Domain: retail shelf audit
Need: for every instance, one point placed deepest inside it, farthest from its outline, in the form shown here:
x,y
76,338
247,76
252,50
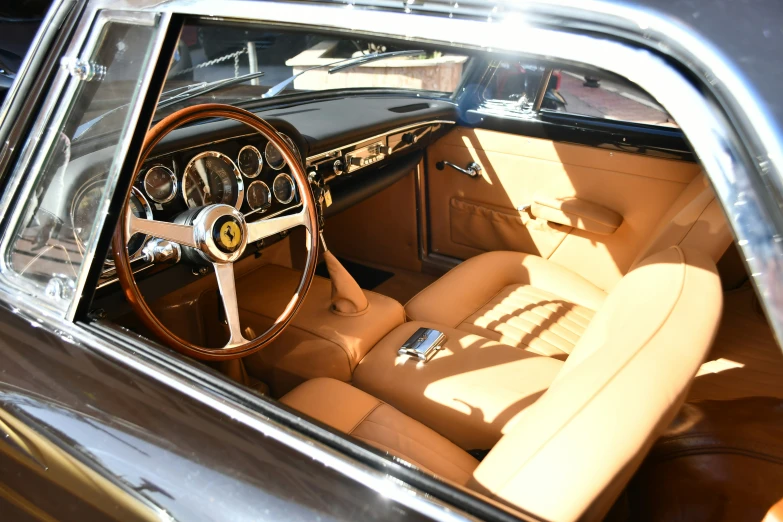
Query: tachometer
x,y
249,161
160,184
211,178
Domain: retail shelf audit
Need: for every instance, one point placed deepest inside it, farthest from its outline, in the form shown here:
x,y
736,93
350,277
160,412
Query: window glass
x,y
209,53
514,85
68,197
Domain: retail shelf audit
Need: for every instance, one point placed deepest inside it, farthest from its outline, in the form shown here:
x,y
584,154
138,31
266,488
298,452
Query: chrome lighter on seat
x,y
423,344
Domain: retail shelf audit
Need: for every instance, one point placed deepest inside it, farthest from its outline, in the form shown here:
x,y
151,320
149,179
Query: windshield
x,y
209,53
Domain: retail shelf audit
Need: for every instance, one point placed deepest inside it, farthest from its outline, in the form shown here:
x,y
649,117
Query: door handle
x,y
473,169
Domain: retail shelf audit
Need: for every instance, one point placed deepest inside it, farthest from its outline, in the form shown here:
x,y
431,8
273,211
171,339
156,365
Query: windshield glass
x,y
209,53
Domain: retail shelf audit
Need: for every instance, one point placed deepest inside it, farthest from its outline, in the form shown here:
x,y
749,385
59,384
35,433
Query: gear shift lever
x,y
347,297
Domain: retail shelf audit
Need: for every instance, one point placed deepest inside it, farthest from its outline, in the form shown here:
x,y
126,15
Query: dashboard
x,y
352,156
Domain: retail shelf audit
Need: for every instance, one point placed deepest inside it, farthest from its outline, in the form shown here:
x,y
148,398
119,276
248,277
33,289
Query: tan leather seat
x,y
569,455
513,298
319,342
527,301
471,391
356,413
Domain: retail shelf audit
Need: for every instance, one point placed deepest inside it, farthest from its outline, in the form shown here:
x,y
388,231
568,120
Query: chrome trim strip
x,y
222,395
161,22
328,153
47,32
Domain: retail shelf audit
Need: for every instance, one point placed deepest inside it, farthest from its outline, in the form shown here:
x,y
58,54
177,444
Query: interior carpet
x,y
366,276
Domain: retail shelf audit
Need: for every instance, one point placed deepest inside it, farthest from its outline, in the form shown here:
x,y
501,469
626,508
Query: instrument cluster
x,y
248,173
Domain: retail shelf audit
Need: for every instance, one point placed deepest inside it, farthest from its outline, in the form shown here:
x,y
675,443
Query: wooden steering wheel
x,y
217,234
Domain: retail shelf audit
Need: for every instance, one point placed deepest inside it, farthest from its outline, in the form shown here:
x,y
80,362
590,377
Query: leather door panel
x,y
516,168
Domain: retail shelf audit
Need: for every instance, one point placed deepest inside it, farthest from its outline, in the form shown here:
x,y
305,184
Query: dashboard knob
x,y
338,167
409,138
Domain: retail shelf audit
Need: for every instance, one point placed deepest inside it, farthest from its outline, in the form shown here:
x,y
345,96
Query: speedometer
x,y
211,178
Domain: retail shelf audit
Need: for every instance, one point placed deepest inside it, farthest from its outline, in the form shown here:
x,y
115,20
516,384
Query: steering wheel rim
x,y
201,234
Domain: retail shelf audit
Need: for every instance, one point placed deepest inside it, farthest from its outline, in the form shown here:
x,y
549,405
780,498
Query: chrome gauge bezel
x,y
290,181
269,196
174,183
266,156
290,142
260,161
235,169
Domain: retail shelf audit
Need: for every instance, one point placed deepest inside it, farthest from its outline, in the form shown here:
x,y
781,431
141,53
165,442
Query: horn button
x,y
221,233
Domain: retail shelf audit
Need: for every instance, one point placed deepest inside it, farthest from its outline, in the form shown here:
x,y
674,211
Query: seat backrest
x,y
695,221
573,451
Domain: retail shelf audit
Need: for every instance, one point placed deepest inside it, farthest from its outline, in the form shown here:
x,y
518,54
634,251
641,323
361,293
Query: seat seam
x,y
421,444
364,418
344,349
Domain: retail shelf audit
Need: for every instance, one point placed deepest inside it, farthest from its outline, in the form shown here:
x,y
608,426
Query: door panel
x,y
469,216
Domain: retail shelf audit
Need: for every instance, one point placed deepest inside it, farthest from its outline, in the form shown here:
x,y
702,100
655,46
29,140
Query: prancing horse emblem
x,y
230,235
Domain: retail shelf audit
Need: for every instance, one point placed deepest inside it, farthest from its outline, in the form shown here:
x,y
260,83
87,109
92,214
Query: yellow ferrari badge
x,y
230,235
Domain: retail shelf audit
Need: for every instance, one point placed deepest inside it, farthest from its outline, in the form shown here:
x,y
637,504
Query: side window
x,y
514,85
67,181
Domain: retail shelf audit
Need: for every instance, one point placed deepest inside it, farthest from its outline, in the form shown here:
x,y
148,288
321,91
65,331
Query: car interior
x,y
514,305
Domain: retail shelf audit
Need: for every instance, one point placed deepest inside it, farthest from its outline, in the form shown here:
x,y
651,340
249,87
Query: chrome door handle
x,y
473,169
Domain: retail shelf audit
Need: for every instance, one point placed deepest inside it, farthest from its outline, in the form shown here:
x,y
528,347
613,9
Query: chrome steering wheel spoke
x,y
176,233
228,295
269,227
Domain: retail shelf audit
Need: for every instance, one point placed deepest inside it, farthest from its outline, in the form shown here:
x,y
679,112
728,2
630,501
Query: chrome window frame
x,y
735,156
45,131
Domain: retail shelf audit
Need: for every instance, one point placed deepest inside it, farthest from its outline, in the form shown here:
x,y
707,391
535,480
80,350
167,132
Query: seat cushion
x,y
318,342
471,391
360,415
517,299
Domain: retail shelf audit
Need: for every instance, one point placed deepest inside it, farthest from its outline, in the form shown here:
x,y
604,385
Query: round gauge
x,y
284,188
160,184
85,208
291,144
249,161
273,156
211,178
258,195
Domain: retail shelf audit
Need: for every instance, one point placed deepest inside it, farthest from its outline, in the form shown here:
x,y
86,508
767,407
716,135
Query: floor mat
x,y
366,276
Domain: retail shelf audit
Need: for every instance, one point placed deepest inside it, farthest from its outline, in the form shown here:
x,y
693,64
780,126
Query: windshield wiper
x,y
199,89
173,96
337,66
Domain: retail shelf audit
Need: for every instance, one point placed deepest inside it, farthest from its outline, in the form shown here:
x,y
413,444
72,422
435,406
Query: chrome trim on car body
x,y
336,150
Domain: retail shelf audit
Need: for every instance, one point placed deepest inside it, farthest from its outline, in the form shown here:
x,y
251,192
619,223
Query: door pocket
x,y
488,228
